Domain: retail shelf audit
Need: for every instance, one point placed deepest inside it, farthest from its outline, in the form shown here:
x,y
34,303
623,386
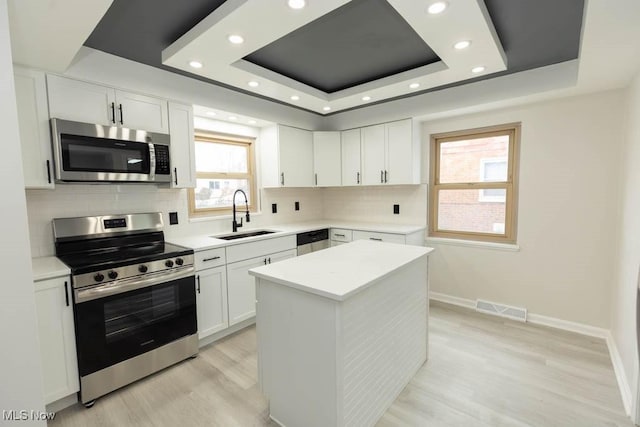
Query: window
x,y
224,164
474,184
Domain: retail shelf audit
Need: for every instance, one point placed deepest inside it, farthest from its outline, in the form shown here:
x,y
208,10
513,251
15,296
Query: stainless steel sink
x,y
235,236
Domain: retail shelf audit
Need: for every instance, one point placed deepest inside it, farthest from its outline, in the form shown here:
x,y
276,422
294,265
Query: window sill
x,y
507,247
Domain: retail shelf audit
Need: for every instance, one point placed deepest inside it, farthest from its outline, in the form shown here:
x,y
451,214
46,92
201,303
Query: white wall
x,y
568,197
623,318
20,371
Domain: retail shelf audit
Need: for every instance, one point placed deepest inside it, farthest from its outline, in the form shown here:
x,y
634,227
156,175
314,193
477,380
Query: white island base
x,y
341,332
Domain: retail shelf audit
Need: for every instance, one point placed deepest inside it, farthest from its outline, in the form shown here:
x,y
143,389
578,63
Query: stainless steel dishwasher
x,y
312,241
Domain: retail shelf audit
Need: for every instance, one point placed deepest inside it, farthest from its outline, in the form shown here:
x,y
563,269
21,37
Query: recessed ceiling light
x,y
295,97
211,113
254,83
233,118
414,85
327,108
477,70
252,122
235,39
437,7
463,44
195,64
296,4
366,98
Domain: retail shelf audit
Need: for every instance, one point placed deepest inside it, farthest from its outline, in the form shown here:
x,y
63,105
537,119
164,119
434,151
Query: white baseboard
x,y
623,383
580,328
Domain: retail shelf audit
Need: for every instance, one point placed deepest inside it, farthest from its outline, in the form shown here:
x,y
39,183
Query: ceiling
x,y
335,55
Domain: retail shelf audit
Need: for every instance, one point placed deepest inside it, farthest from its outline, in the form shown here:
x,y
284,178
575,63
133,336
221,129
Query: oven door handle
x,y
121,286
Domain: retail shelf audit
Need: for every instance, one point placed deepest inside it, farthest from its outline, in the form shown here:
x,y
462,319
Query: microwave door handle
x,y
152,162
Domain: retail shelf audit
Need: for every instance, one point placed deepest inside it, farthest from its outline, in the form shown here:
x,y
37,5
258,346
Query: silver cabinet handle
x,y
316,179
385,177
381,177
339,235
211,259
357,177
376,239
282,178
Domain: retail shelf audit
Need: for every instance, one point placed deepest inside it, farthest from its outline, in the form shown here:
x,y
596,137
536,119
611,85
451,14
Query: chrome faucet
x,y
246,204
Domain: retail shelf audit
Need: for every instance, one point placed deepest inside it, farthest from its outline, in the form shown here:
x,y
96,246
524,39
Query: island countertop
x,y
342,271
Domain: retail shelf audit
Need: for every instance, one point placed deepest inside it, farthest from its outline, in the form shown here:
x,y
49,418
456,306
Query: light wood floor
x,y
482,371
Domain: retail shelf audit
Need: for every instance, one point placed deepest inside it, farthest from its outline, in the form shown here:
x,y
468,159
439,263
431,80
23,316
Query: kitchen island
x,y
341,331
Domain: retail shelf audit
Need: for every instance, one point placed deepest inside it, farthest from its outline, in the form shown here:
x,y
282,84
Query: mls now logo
x,y
24,415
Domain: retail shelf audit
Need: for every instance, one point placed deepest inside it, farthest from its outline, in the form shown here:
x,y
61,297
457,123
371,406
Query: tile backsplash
x,y
368,204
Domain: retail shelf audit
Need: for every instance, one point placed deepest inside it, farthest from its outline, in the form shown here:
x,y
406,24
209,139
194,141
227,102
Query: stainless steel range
x,y
134,298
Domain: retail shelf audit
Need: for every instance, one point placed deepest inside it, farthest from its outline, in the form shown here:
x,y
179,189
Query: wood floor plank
x,y
483,371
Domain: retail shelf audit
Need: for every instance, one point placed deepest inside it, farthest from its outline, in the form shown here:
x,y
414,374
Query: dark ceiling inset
x,y
140,29
534,33
362,41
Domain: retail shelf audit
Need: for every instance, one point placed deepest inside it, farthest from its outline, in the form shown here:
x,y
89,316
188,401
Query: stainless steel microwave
x,y
85,152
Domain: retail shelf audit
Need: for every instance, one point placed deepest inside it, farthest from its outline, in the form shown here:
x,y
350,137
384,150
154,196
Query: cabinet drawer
x,y
261,247
382,237
341,235
210,258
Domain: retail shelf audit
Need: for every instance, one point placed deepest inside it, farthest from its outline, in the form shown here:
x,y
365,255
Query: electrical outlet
x,y
173,218
274,208
297,205
396,209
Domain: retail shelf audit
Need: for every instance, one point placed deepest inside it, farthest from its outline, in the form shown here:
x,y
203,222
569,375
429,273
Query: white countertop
x,y
203,242
342,271
48,267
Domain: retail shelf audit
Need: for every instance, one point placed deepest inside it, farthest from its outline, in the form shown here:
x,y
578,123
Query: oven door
x,y
115,328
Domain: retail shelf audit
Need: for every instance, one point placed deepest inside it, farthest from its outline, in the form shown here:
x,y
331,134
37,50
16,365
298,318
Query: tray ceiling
x,y
334,55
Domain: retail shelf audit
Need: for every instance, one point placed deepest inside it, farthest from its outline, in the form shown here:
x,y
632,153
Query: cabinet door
x,y
211,302
296,157
182,146
350,144
141,112
57,338
35,134
80,101
241,289
373,155
326,159
399,151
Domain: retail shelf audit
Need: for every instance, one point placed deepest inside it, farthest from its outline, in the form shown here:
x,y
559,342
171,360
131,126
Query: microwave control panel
x,y
163,167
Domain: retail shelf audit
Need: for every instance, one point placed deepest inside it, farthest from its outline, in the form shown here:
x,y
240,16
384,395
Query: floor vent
x,y
515,313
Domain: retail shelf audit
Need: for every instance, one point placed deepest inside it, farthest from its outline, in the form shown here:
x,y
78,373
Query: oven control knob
x,y
113,275
98,277
179,261
169,263
142,268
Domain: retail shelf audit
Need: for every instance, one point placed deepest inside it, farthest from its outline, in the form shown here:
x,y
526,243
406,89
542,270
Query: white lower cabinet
x,y
241,286
57,338
211,301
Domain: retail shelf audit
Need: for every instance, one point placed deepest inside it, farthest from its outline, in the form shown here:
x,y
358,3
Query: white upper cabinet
x,y
286,156
390,154
35,134
326,159
91,103
183,165
373,155
350,145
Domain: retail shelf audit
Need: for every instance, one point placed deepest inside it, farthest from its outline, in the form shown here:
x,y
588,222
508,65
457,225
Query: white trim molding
x,y
579,328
